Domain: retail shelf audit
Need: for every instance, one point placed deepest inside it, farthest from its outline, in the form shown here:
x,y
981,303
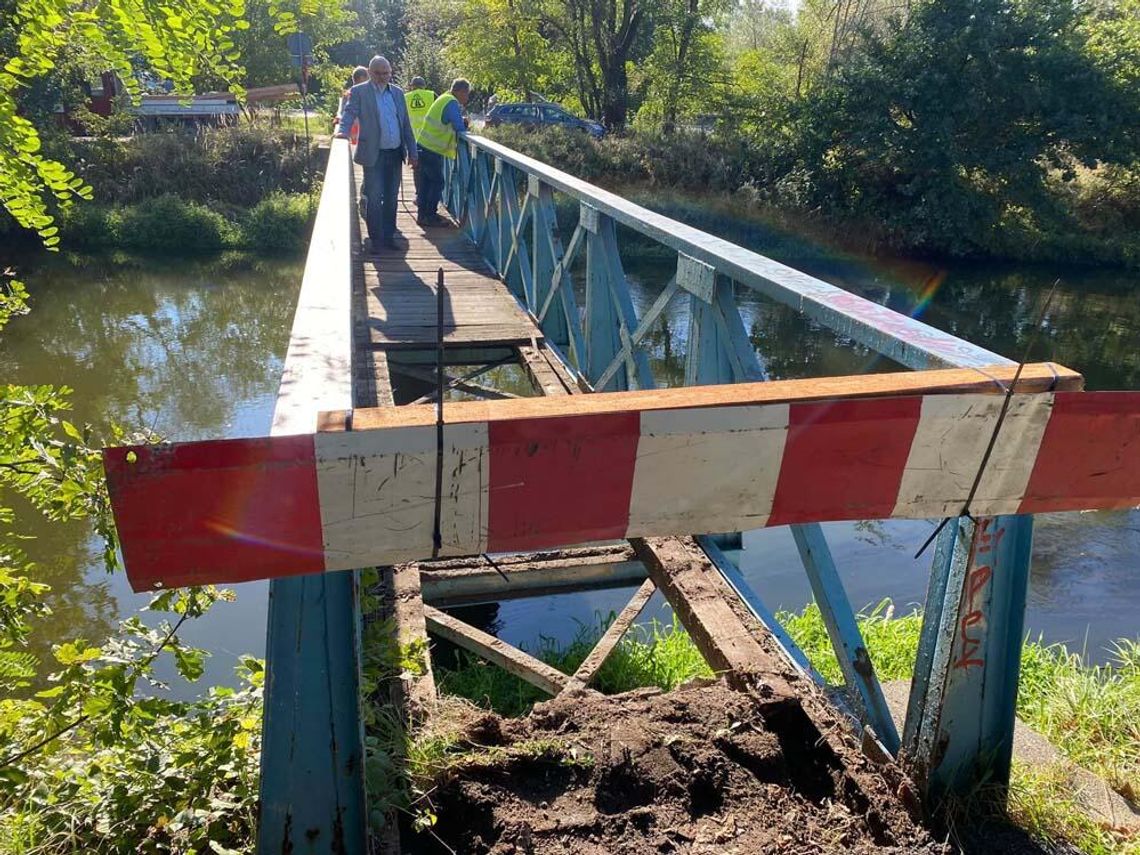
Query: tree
x,y
687,62
601,36
177,39
947,125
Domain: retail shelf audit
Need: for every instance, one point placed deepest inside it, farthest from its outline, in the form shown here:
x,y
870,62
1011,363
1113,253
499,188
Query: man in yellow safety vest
x,y
437,139
419,99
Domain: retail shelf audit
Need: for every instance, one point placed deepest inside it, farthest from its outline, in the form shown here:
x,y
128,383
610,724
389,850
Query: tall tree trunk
x,y
684,41
615,94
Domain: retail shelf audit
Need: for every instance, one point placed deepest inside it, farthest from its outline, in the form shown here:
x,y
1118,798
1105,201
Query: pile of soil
x,y
699,769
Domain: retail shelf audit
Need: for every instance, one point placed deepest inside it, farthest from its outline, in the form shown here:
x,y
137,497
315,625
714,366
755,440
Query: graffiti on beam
x,y
971,624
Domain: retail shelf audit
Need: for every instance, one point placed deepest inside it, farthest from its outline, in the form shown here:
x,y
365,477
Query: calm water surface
x,y
190,349
194,350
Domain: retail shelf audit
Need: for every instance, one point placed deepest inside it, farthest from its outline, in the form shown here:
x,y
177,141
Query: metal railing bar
x,y
902,338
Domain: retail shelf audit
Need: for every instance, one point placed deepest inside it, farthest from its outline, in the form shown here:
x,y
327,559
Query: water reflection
x,y
189,349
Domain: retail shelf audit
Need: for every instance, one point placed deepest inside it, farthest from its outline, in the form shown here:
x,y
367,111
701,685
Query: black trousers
x,y
381,189
431,182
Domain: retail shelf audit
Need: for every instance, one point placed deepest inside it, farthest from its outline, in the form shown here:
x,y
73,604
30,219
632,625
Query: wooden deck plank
x,y
614,633
495,650
700,598
399,290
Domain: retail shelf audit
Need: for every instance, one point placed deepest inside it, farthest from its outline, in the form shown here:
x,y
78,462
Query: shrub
x,y
170,224
90,226
280,222
210,165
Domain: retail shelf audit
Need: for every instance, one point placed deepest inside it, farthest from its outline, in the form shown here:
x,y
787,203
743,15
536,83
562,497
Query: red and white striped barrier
x,y
244,509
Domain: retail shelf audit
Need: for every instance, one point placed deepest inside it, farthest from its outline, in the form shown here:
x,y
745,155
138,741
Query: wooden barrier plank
x,y
524,484
1035,378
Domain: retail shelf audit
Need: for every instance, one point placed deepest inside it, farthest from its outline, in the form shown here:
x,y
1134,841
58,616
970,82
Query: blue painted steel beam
x,y
962,735
761,612
906,340
842,629
312,762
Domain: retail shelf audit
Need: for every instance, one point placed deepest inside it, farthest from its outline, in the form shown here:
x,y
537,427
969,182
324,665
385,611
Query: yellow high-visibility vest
x,y
419,101
436,135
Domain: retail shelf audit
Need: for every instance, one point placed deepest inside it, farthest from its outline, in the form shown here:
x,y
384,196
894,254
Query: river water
x,y
194,349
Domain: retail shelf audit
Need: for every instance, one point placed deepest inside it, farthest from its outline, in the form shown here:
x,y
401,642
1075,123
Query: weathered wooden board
x,y
613,635
522,665
701,598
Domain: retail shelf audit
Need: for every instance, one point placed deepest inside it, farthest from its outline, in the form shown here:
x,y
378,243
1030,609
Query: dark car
x,y
541,114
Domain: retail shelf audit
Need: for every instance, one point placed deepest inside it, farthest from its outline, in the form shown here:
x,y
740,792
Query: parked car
x,y
533,115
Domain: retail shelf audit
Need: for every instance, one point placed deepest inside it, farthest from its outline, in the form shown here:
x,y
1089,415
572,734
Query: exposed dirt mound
x,y
695,770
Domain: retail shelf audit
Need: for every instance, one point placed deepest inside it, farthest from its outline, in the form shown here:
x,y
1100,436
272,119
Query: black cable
x,y
437,535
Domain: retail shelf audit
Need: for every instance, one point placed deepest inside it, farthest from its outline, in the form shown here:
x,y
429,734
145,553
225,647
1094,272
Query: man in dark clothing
x,y
386,138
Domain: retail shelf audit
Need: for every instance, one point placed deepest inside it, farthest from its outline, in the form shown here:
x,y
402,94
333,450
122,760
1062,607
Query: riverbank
x,y
1085,216
187,192
1088,713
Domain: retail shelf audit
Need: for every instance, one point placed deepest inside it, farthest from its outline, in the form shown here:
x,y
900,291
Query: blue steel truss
x,y
959,723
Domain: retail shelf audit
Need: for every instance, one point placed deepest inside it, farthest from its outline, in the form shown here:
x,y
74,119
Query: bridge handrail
x,y
908,341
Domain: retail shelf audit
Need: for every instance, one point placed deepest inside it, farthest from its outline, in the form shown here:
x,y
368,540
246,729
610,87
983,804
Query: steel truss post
x,y
960,720
843,630
559,324
516,269
610,317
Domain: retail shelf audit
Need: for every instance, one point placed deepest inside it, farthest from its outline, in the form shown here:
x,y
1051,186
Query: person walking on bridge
x,y
386,139
359,75
437,139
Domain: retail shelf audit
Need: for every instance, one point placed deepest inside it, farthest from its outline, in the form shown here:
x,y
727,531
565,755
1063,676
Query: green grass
x,y
657,655
1090,713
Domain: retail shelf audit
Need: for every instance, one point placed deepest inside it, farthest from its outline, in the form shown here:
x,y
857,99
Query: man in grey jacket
x,y
386,139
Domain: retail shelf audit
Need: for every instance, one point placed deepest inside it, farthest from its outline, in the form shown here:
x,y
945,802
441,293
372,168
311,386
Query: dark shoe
x,y
436,220
390,243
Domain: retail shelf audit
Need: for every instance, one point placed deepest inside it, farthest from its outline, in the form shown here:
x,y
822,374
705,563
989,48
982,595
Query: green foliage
x,y
262,44
931,129
279,222
172,226
892,641
1043,801
168,224
92,757
231,166
177,39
